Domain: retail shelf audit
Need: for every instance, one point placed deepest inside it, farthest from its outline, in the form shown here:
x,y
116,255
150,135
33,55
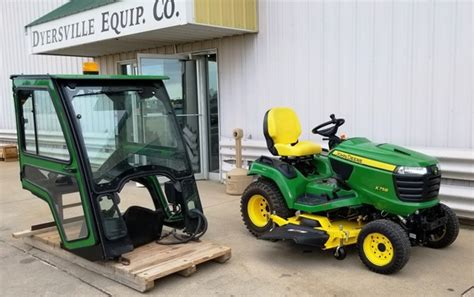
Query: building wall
x,y
397,71
15,57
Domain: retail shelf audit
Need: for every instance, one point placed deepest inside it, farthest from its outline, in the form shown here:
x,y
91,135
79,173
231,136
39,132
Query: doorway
x,y
212,99
193,90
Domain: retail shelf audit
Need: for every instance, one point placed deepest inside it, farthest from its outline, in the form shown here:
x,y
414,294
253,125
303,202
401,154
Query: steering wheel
x,y
330,131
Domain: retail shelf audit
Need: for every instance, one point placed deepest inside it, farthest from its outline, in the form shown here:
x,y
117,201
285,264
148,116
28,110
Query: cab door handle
x,y
70,170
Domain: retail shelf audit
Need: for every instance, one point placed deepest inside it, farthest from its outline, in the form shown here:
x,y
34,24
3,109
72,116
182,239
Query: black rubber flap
x,y
299,234
144,225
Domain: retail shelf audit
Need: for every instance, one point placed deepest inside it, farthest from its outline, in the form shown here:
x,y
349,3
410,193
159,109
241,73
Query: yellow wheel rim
x,y
258,210
378,249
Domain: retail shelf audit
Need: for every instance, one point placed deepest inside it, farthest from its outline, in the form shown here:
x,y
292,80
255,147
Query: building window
x,y
42,133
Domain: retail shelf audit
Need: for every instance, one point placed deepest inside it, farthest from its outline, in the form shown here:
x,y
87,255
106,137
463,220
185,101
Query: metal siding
x,y
397,71
15,57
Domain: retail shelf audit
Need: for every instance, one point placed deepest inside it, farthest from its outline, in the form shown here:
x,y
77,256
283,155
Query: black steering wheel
x,y
330,131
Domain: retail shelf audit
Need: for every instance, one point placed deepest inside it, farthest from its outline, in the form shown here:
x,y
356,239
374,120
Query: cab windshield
x,y
126,127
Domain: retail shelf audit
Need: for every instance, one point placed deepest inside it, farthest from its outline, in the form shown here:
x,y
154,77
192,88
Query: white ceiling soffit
x,y
120,27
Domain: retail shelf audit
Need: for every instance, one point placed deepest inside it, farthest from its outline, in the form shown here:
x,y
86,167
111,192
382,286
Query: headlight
x,y
436,169
411,170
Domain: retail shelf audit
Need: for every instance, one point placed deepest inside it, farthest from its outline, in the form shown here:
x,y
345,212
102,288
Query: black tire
x,y
275,201
446,234
394,246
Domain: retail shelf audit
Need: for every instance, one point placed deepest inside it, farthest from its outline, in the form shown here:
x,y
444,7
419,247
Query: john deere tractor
x,y
381,197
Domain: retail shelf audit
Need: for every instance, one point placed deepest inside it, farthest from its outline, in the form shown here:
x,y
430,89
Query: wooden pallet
x,y
8,152
141,267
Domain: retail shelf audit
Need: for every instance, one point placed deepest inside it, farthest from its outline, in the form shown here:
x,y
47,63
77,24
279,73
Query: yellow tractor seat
x,y
282,128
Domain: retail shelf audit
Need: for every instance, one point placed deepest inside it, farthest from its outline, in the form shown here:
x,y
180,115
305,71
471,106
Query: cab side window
x,y
42,133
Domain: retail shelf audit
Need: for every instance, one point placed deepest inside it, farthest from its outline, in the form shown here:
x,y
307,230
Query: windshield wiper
x,y
108,92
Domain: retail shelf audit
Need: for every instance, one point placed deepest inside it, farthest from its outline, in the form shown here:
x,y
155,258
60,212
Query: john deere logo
x,y
381,189
348,157
364,161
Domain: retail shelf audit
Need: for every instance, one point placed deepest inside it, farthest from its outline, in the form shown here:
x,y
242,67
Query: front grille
x,y
418,188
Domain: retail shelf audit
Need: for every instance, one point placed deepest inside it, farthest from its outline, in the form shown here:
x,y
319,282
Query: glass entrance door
x,y
212,95
183,92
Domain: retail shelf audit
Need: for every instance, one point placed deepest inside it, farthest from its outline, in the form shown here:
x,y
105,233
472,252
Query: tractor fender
x,y
291,183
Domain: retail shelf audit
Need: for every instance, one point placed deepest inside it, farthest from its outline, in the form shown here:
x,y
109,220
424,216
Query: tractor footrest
x,y
313,200
299,234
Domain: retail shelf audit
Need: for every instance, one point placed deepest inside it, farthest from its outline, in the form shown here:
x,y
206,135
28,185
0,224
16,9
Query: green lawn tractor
x,y
381,197
83,137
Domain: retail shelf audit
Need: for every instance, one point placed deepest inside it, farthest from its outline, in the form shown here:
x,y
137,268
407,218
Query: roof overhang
x,y
129,25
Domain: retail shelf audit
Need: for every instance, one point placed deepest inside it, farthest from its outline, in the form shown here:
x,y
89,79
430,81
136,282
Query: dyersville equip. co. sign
x,y
110,21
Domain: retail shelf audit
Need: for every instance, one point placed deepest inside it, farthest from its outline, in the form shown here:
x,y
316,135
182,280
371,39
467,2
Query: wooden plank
x,y
159,261
188,271
44,229
43,225
163,254
73,205
171,266
97,267
224,258
141,267
8,152
29,233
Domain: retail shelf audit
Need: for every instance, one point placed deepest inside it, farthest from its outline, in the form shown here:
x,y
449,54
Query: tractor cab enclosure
x,y
82,138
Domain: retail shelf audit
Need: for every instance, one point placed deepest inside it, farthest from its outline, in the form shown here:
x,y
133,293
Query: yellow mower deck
x,y
340,232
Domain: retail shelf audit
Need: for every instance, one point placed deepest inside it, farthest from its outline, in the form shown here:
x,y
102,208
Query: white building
x,y
397,71
16,58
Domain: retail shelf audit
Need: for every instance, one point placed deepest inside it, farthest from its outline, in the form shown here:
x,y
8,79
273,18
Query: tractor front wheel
x,y
447,234
383,246
261,199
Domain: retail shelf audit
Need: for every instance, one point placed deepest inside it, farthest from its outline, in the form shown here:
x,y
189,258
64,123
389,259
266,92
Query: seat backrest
x,y
281,125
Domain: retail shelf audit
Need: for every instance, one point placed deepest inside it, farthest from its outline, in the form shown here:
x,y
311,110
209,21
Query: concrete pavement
x,y
257,268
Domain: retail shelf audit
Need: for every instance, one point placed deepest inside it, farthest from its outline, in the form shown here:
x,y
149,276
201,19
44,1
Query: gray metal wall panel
x,y
15,57
398,71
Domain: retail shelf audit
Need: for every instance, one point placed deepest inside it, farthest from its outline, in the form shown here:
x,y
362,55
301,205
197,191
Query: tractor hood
x,y
386,153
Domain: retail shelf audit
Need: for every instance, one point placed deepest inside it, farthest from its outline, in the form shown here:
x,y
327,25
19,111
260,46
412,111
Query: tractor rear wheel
x,y
447,234
384,246
261,199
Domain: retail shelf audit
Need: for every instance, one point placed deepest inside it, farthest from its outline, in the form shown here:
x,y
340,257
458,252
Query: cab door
x,y
49,161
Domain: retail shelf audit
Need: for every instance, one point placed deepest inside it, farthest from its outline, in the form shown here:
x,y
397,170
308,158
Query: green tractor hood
x,y
386,153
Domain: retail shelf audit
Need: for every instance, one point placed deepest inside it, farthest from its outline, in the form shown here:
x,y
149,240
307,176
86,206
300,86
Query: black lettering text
x,y
36,38
164,9
60,34
53,37
42,38
139,15
67,29
91,26
114,22
131,16
105,21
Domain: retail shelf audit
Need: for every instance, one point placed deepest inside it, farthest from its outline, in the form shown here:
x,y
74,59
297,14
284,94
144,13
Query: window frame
x,y
53,206
22,126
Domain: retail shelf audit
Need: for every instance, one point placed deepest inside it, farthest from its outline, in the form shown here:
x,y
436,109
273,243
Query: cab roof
x,y
88,76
